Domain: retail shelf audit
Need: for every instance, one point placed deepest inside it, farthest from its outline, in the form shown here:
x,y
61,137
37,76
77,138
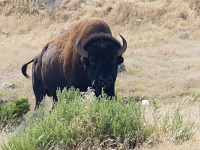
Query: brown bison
x,y
85,55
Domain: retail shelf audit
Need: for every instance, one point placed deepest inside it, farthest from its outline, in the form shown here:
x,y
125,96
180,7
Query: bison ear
x,y
120,60
85,61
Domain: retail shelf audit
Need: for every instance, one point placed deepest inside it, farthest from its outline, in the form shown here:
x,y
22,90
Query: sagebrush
x,y
76,122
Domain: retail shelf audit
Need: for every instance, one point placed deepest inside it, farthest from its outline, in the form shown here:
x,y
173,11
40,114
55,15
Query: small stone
x,y
5,32
121,67
6,85
89,94
59,32
2,102
184,34
145,102
49,3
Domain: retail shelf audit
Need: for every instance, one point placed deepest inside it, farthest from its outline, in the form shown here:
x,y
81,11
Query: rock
x,y
6,85
49,3
3,102
89,94
184,34
59,32
5,32
121,67
145,102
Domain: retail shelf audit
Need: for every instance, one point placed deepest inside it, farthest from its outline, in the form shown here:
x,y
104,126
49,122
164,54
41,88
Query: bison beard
x,y
85,55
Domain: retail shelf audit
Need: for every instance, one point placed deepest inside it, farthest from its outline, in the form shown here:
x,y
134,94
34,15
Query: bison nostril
x,y
105,80
110,81
102,81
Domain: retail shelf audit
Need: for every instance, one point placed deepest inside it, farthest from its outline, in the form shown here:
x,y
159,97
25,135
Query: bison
x,y
85,55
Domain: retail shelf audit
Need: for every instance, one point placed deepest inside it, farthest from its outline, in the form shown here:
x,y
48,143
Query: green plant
x,y
12,110
180,131
21,107
75,119
171,124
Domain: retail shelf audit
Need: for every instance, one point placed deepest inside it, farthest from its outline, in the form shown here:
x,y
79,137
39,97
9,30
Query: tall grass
x,y
168,14
171,125
18,6
76,122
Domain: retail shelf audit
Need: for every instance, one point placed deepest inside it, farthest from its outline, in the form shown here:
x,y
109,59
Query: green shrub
x,y
12,110
77,121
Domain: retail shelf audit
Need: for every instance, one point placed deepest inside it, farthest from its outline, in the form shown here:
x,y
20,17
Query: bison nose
x,y
105,81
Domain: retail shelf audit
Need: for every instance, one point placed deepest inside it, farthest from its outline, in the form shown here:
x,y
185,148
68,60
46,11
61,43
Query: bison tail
x,y
24,67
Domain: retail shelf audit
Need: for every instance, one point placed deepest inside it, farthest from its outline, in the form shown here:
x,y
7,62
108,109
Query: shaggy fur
x,y
58,65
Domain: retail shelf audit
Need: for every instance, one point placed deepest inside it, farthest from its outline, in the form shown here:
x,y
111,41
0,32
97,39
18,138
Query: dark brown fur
x,y
58,65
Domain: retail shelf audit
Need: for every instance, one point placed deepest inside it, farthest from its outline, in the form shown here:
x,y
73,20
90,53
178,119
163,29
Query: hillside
x,y
162,60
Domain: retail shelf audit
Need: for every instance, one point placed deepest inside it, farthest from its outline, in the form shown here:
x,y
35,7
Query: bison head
x,y
100,55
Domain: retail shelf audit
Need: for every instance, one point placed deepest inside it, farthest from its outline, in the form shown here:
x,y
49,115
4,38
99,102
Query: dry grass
x,y
159,64
167,71
190,108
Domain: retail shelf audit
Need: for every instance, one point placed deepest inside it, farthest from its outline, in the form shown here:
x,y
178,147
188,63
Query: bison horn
x,y
80,50
123,48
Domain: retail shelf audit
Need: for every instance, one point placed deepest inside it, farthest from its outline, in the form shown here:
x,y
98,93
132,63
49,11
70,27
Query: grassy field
x,y
161,64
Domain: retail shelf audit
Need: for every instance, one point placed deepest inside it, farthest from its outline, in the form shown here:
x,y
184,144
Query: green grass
x,y
76,120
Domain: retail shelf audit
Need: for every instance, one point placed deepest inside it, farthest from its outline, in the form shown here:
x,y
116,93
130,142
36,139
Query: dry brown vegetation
x,y
160,64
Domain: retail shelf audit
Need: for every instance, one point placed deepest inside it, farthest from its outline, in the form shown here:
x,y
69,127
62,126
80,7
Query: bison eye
x,y
114,61
92,60
85,61
92,67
